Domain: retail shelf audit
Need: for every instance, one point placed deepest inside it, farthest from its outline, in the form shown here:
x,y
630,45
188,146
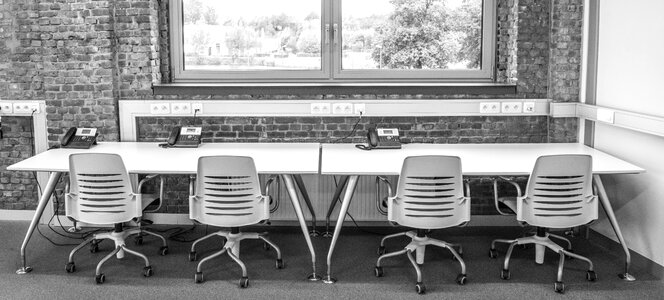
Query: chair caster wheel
x,y
198,278
420,288
461,279
70,267
559,287
591,276
381,250
163,250
193,256
244,282
280,263
266,246
138,240
99,279
147,271
493,253
378,271
505,274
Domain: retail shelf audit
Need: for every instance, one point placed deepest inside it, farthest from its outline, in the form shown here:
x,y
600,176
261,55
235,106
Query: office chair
x,y
558,195
101,193
429,195
227,194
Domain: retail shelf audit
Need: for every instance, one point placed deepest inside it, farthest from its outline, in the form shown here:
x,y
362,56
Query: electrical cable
x,y
351,132
336,185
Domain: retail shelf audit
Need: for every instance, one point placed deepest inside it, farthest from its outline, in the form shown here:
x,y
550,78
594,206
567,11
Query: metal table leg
x,y
307,201
337,192
292,192
606,204
43,200
348,195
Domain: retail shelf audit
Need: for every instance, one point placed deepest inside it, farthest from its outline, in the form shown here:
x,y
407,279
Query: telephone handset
x,y
183,137
382,138
79,138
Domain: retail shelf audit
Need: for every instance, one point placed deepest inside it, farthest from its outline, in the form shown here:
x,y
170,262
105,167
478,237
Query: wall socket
x,y
511,107
320,108
342,108
160,108
489,107
181,108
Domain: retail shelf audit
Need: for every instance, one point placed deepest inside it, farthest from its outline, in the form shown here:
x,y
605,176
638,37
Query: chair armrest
x,y
268,183
466,186
379,206
495,193
161,189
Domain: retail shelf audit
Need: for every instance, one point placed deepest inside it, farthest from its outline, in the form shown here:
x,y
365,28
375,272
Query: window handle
x,y
327,34
336,31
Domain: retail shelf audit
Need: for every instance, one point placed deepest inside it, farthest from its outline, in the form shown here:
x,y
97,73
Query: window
x,y
332,40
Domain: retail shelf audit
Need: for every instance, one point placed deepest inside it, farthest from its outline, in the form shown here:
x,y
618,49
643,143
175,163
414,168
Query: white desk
x,y
285,159
476,160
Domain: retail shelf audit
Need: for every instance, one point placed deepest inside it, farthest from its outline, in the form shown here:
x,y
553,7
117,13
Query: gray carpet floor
x,y
353,266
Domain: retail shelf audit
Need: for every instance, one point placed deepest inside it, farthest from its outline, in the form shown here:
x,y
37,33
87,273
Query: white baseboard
x,y
16,215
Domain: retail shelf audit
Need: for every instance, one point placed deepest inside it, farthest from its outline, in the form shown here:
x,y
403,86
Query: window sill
x,y
334,88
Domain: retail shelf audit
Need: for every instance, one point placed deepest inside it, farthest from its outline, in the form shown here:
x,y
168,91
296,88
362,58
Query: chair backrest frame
x,y
559,193
430,193
100,191
227,192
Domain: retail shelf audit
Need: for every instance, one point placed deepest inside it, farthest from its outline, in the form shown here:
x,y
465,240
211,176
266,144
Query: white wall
x,y
631,77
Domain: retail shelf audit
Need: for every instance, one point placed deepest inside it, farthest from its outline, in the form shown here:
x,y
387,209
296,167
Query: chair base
x,y
231,246
418,245
544,241
118,237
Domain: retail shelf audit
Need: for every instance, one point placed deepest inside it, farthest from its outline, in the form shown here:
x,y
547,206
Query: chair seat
x,y
149,200
510,202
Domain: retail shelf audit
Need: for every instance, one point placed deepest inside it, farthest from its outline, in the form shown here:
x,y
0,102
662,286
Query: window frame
x,y
331,57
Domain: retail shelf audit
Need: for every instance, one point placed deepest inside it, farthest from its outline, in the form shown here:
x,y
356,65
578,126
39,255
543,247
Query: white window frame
x,y
331,70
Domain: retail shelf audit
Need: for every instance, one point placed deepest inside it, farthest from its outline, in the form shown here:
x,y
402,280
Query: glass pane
x,y
252,35
411,34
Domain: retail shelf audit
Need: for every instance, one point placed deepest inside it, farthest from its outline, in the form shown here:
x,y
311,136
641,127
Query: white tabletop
x,y
476,159
270,158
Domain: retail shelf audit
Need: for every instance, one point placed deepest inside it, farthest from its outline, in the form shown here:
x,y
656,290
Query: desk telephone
x,y
382,138
183,137
79,138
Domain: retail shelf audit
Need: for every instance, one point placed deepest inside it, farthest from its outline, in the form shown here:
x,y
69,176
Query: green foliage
x,y
426,34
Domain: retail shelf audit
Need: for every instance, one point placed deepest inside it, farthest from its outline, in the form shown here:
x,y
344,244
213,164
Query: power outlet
x,y
197,108
160,108
25,108
529,107
320,108
511,107
6,108
342,108
489,107
181,108
360,109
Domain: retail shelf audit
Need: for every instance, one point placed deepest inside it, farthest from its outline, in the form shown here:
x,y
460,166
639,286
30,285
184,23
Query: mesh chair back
x,y
99,190
228,192
430,194
559,193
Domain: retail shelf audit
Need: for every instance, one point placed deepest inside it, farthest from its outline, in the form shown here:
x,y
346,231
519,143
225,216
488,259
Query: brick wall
x,y
83,57
18,189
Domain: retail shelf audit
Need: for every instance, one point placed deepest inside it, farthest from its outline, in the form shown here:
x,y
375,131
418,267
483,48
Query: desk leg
x,y
307,201
43,200
606,204
350,189
337,192
288,179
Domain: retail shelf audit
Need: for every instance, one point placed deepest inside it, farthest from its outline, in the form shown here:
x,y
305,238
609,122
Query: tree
x,y
193,11
417,35
210,16
468,20
239,40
